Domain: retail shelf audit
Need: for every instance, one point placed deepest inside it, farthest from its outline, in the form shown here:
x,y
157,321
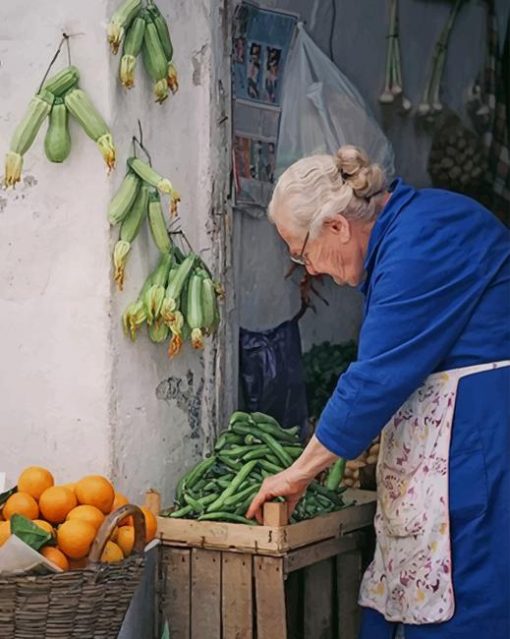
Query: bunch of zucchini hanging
x,y
144,30
138,195
178,300
222,486
58,97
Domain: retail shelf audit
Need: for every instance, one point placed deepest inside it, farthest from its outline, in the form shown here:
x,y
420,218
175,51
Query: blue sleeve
x,y
422,296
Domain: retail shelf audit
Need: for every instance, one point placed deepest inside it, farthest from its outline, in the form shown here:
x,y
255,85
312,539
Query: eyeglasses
x,y
301,259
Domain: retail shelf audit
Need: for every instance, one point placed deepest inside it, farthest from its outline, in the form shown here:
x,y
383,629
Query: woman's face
x,y
338,250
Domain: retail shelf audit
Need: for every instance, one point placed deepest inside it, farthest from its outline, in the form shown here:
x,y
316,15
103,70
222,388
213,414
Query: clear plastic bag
x,y
322,110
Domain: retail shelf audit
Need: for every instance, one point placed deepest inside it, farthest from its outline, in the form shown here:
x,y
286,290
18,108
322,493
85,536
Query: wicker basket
x,y
89,603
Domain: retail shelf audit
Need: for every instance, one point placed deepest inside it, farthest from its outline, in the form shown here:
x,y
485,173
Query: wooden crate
x,y
231,581
273,538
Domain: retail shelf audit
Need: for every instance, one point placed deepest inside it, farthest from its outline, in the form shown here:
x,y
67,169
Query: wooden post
x,y
153,502
276,513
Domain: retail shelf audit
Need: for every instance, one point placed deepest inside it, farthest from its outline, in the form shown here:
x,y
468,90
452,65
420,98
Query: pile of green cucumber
x,y
255,446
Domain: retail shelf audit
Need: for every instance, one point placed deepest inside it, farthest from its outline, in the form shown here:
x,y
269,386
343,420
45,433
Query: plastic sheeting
x,y
272,375
322,110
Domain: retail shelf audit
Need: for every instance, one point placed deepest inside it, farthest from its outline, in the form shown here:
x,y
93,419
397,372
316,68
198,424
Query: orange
x,y
56,556
126,539
90,514
56,502
45,526
151,524
78,564
75,538
119,500
97,491
21,504
112,553
5,531
70,486
122,500
35,480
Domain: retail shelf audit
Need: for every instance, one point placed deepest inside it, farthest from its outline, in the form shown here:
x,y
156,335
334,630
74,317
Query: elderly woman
x,y
432,378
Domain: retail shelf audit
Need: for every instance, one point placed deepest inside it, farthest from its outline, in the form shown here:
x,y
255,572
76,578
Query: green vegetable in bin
x,y
222,486
336,474
323,364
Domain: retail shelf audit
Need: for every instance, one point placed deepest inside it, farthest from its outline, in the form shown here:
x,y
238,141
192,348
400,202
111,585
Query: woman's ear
x,y
339,226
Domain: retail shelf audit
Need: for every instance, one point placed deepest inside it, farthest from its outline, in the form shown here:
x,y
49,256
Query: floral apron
x,y
410,578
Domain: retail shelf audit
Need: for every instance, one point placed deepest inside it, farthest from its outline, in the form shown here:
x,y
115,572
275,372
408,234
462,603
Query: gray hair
x,y
318,187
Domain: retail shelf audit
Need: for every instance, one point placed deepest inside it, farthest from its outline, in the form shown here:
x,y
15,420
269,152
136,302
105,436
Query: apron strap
x,y
464,371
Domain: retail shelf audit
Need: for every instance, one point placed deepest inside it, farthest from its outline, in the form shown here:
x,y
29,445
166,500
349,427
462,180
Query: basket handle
x,y
111,522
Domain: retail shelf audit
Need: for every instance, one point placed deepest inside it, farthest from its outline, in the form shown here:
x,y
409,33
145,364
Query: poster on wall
x,y
261,43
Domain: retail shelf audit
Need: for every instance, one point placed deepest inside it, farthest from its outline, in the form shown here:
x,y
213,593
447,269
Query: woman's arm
x,y
293,482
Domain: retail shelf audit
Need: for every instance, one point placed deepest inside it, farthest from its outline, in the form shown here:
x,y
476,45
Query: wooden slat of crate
x,y
275,540
318,599
237,596
333,524
302,557
309,603
349,573
270,597
294,604
175,601
216,534
205,594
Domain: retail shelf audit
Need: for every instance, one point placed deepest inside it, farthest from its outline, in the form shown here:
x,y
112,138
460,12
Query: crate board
x,y
271,540
211,594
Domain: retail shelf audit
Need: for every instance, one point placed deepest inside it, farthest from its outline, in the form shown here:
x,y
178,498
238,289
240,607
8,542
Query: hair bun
x,y
364,178
350,160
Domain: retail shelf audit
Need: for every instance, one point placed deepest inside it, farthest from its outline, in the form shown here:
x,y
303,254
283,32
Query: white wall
x,y
55,366
75,394
159,427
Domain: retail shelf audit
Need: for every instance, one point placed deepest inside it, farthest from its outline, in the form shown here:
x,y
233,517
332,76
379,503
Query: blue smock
x,y
437,297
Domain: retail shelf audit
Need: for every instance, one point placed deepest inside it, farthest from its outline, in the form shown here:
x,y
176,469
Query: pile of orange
x,y
72,513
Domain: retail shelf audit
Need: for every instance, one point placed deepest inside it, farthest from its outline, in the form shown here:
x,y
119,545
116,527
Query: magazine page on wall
x,y
261,43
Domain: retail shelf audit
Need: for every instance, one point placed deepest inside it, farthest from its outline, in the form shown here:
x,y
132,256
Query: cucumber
x,y
241,496
270,467
262,418
182,512
227,438
234,486
221,515
335,474
256,452
239,416
274,445
230,463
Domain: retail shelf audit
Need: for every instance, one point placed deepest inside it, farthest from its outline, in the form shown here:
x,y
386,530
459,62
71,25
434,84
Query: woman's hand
x,y
290,483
